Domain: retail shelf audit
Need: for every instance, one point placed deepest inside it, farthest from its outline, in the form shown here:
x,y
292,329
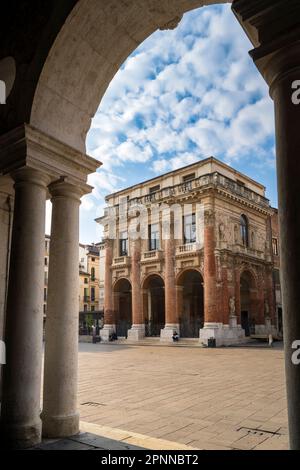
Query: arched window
x,y
244,230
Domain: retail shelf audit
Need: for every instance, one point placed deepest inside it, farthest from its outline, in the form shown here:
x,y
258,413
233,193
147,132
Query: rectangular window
x,y
189,224
154,237
123,244
189,177
86,281
93,294
46,261
92,308
154,189
45,295
86,295
85,308
275,246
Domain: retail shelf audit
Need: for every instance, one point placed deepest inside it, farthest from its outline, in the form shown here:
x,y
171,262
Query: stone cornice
x,y
244,202
28,147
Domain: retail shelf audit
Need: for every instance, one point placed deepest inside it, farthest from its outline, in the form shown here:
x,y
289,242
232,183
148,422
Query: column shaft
x,y
137,331
172,321
210,281
60,416
213,316
20,418
109,312
288,167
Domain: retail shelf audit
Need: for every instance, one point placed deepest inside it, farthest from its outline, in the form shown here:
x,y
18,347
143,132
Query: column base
x,y
166,335
60,426
136,333
21,436
225,335
106,331
266,329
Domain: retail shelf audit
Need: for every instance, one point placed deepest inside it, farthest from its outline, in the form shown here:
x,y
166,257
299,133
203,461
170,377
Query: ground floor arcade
x,y
243,308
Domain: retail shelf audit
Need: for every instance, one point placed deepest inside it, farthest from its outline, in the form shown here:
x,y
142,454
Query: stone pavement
x,y
179,398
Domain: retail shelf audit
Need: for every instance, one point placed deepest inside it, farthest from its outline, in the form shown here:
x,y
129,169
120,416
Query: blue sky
x,y
182,96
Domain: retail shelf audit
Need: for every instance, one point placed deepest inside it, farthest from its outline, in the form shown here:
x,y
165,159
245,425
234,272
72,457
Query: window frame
x,y
123,244
191,237
244,230
154,242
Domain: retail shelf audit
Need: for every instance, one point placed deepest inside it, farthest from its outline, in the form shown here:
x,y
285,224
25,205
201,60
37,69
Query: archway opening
x,y
248,303
154,305
190,300
123,307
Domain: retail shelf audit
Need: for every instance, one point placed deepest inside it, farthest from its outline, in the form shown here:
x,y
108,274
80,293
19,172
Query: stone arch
x,y
86,54
181,273
190,302
252,275
146,278
153,291
122,302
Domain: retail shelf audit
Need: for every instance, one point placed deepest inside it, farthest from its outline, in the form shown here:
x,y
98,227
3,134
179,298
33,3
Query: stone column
x,y
20,418
109,315
60,416
275,33
172,320
237,291
179,302
137,332
287,115
213,320
270,318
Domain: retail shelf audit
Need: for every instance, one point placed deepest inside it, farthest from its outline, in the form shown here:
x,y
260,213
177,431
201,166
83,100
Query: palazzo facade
x,y
210,275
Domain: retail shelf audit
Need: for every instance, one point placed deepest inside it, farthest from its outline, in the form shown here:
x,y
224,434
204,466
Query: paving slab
x,y
157,391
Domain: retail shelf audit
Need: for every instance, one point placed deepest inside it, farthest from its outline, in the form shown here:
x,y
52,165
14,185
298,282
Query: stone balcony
x,y
247,251
189,249
215,180
152,256
121,261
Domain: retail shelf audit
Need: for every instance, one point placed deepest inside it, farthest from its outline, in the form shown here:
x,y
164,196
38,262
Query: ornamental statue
x,y
232,306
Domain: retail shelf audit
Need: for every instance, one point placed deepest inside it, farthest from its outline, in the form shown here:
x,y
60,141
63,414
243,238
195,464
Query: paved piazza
x,y
231,398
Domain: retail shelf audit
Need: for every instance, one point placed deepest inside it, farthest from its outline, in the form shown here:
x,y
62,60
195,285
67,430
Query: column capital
x,y
29,175
63,188
273,28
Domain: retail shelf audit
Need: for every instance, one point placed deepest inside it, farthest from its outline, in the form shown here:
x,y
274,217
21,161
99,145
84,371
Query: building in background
x,y
276,270
46,271
101,247
89,278
89,284
218,279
